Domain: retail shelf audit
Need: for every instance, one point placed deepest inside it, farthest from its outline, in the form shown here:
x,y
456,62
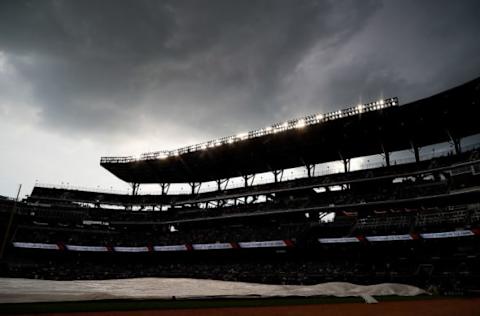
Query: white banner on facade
x,y
263,244
389,237
338,240
86,248
89,222
451,234
130,249
212,246
170,248
32,245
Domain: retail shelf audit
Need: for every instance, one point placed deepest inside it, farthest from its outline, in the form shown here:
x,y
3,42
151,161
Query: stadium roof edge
x,y
353,132
272,129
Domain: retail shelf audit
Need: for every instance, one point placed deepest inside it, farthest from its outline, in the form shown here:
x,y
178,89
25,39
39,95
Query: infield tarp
x,y
26,290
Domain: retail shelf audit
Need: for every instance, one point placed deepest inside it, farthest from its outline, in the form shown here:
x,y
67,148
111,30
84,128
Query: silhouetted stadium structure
x,y
413,221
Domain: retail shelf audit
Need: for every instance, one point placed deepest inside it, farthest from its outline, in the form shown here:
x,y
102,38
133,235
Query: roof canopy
x,y
447,115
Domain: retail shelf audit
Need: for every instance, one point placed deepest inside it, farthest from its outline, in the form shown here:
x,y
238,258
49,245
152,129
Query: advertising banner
x,y
212,246
130,249
263,244
86,248
338,240
32,245
389,237
451,234
170,248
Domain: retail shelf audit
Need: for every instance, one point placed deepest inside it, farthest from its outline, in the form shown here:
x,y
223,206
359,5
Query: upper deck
x,y
379,127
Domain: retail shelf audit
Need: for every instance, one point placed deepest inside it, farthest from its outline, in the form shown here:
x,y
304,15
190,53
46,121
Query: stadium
x,y
408,213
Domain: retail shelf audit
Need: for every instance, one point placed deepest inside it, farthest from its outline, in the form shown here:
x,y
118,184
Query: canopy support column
x,y
346,165
456,142
164,187
416,151
135,188
386,154
278,174
246,179
223,182
310,169
458,145
346,162
195,186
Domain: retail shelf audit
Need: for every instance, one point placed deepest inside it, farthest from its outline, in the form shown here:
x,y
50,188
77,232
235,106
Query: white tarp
x,y
26,290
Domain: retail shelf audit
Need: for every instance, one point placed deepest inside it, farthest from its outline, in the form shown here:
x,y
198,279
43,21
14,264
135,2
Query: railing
x,y
67,186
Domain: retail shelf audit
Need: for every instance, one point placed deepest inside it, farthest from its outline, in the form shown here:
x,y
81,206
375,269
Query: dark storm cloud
x,y
104,64
104,67
409,49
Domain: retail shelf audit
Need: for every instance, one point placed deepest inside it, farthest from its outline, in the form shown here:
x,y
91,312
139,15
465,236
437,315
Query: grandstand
x,y
412,220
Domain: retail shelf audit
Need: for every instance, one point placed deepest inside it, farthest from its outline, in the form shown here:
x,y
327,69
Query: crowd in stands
x,y
164,235
424,220
301,229
360,194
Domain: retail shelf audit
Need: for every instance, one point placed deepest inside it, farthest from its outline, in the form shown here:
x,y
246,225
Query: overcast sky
x,y
82,79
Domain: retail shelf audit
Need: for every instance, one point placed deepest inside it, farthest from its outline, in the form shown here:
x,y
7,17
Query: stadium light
x,y
272,129
242,136
300,123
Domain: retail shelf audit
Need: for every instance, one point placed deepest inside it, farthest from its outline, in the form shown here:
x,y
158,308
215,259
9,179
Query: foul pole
x,y
10,222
